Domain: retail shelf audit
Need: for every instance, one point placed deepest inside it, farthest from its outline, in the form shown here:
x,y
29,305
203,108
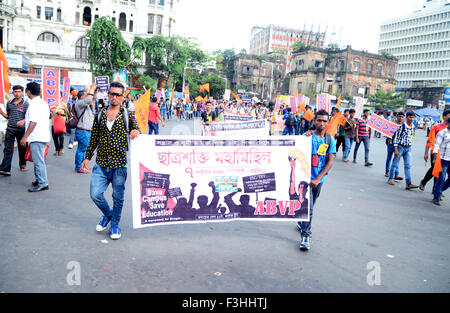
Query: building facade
x,y
421,42
268,39
52,33
263,76
347,72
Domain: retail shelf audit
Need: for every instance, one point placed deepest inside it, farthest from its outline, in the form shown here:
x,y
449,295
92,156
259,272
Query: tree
x,y
226,62
300,46
389,100
108,50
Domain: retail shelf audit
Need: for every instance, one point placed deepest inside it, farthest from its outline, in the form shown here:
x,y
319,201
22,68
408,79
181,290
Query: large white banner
x,y
255,128
198,179
80,78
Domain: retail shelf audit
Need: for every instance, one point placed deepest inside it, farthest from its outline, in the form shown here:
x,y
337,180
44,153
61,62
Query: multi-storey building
x,y
348,72
421,42
272,38
52,33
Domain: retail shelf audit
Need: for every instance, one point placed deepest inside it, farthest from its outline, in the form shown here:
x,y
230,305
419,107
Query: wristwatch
x,y
90,94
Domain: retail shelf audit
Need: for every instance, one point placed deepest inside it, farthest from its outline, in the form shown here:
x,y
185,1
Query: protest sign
x,y
120,76
200,167
80,78
227,95
174,192
249,128
228,116
359,104
65,90
141,108
102,83
382,125
323,102
50,87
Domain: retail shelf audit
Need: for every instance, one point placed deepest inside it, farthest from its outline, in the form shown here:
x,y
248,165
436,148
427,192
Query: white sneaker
x,y
75,143
71,146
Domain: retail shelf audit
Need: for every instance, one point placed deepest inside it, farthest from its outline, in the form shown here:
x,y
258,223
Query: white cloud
x,y
224,24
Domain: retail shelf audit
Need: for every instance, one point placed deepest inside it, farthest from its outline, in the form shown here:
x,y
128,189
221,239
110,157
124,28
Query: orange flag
x,y
206,98
338,104
141,108
171,95
204,87
236,96
5,72
437,165
343,120
333,124
309,115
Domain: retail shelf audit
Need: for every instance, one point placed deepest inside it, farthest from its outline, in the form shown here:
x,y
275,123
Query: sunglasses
x,y
115,94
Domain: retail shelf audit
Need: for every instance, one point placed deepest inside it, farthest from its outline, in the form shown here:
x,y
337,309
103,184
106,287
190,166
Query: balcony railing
x,y
6,9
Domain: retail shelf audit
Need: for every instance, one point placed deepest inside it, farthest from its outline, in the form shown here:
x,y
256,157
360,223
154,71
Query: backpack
x,y
291,120
73,118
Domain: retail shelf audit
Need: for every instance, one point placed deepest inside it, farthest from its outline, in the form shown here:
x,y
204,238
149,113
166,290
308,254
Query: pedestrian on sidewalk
x,y
402,141
70,103
323,155
390,150
16,110
37,134
363,135
442,146
110,139
429,147
340,138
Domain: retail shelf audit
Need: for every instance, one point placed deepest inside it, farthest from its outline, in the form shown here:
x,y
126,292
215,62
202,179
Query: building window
x,y
161,2
48,13
48,37
369,68
114,20
152,2
82,48
87,17
159,25
77,18
151,23
122,21
379,70
131,26
58,14
356,65
299,87
38,11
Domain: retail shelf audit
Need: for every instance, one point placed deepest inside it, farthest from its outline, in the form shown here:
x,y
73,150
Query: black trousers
x,y
58,140
11,135
340,140
428,176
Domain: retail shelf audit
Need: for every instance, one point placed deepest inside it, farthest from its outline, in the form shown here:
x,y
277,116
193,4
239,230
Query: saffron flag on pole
x,y
6,84
437,165
186,94
236,96
333,124
50,87
309,115
338,104
171,95
141,108
2,86
301,103
204,87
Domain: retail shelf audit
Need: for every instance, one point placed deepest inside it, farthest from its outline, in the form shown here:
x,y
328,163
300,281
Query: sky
x,y
226,24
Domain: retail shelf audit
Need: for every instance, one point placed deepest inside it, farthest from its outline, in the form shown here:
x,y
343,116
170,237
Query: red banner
x,y
382,125
50,86
66,90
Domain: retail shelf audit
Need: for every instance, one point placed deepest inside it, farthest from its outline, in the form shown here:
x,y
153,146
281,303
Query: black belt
x,y
85,130
405,146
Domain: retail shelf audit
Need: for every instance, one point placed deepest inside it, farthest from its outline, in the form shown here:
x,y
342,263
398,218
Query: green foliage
x,y
388,55
147,82
332,47
311,94
107,49
387,100
243,51
300,46
225,59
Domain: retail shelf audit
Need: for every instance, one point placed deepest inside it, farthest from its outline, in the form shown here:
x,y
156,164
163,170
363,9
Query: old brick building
x,y
262,75
348,72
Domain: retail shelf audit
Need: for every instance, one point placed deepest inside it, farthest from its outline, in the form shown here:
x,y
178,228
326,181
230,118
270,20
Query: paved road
x,y
358,219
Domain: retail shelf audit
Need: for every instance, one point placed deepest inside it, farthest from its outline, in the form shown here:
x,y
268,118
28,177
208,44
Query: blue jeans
x,y
72,136
100,180
442,184
298,128
366,142
83,138
404,153
153,127
348,146
288,130
306,226
163,114
390,153
40,169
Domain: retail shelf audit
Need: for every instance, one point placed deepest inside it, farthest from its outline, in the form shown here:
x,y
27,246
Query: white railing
x,y
7,9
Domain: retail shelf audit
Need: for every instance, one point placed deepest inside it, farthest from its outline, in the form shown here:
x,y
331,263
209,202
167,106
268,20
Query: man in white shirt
x,y
37,134
443,146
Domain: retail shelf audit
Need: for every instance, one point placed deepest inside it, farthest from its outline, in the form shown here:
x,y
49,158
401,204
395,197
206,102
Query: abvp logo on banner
x,y
50,86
